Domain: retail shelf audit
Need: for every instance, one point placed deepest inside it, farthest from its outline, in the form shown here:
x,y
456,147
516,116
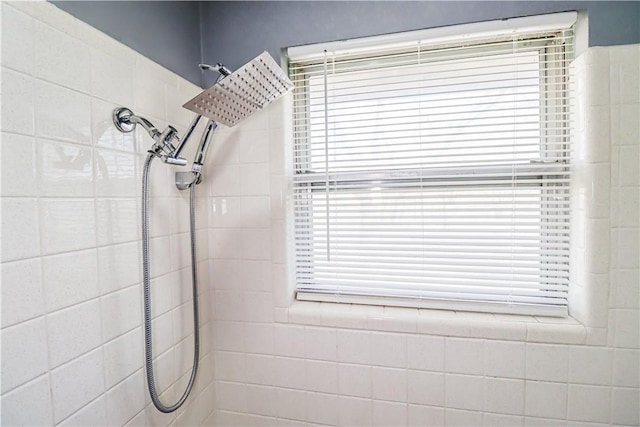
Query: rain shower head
x,y
245,91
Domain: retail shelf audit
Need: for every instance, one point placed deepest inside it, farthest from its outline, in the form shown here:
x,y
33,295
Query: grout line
x,y
84,407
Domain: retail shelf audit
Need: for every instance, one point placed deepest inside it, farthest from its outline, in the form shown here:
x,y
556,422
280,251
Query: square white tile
x,y
77,383
464,356
18,164
426,388
588,403
389,384
389,350
74,331
24,353
126,399
29,404
22,291
504,359
70,278
547,362
425,352
64,169
122,357
464,392
17,33
120,267
62,113
20,229
504,396
18,103
121,312
546,400
67,225
354,380
590,365
50,45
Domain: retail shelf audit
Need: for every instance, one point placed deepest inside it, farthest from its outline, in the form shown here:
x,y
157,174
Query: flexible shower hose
x,y
148,348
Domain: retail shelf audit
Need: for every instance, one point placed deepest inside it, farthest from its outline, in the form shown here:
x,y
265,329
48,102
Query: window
x,y
435,172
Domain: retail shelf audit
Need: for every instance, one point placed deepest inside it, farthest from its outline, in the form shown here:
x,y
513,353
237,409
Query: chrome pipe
x,y
125,121
201,153
165,138
187,136
146,124
219,67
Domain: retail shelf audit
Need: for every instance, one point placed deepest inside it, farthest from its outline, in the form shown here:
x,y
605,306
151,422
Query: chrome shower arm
x,y
187,135
185,180
219,67
125,121
146,124
201,152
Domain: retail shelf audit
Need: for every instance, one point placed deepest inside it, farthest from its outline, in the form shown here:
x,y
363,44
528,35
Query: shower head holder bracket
x,y
184,180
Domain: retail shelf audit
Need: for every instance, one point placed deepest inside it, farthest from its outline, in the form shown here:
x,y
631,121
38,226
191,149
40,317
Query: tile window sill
x,y
442,322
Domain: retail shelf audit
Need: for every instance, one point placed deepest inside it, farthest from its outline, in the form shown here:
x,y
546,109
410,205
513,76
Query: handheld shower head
x,y
243,92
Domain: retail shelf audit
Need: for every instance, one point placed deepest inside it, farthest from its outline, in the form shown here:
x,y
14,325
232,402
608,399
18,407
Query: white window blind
x,y
435,174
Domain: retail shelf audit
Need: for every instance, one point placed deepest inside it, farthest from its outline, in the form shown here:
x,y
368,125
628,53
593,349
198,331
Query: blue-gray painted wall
x,y
167,32
179,35
235,32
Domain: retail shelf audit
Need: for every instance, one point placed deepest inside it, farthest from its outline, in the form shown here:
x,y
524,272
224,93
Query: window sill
x,y
442,322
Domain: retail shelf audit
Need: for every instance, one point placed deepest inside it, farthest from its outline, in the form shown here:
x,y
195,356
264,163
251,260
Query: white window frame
x,y
458,34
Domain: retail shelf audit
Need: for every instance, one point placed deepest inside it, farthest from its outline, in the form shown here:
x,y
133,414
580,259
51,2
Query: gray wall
x,y
180,34
235,32
168,32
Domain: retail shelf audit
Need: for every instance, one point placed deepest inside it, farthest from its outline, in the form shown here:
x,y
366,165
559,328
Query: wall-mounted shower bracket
x,y
184,180
121,120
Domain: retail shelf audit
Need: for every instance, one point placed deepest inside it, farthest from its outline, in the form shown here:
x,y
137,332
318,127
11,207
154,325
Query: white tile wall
x,y
73,331
22,292
18,100
464,392
546,400
354,380
77,383
329,367
504,396
589,403
93,413
72,350
66,286
23,345
426,388
425,416
398,367
504,359
354,411
20,228
389,413
29,404
389,384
